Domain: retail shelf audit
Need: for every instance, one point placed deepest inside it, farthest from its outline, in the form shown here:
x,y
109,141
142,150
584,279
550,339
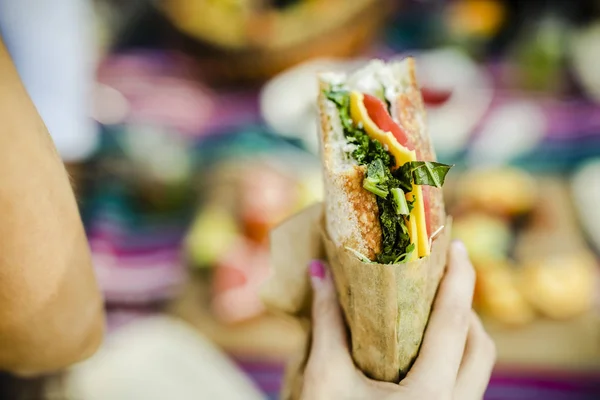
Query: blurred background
x,y
188,127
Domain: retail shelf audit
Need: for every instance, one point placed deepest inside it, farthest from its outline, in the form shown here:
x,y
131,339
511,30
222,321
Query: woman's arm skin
x,y
51,312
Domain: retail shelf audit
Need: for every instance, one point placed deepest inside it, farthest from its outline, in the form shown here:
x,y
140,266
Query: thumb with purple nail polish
x,y
329,357
316,269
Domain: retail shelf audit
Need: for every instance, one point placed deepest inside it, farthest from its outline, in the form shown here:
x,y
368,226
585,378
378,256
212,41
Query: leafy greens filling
x,y
388,186
366,149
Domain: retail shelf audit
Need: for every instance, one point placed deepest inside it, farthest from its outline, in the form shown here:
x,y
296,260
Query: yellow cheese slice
x,y
359,113
417,215
413,232
417,228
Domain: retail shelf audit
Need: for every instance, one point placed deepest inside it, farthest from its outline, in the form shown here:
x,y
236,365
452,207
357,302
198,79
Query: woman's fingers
x,y
477,364
329,371
444,341
329,349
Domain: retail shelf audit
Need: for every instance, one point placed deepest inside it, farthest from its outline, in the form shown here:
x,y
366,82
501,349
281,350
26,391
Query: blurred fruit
x,y
552,228
540,52
487,238
478,18
498,295
433,97
268,196
237,281
211,235
562,286
502,191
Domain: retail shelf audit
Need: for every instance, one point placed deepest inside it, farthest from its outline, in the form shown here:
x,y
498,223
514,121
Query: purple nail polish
x,y
316,268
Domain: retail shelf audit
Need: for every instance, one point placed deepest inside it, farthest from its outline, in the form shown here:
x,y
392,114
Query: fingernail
x,y
459,246
316,269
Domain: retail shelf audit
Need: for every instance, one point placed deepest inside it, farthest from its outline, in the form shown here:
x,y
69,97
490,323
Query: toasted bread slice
x,y
352,215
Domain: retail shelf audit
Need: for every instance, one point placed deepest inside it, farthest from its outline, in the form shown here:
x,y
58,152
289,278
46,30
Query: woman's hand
x,y
456,357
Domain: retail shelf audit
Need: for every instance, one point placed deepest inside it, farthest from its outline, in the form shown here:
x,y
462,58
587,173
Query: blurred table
x,y
572,345
268,338
543,360
547,360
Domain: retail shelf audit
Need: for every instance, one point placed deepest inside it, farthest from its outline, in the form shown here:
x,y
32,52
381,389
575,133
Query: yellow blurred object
x,y
239,24
220,22
211,235
476,17
498,295
503,191
310,191
562,286
486,237
252,40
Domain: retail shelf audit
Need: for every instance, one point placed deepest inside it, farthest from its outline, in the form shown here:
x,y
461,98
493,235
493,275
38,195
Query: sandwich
x,y
382,224
382,184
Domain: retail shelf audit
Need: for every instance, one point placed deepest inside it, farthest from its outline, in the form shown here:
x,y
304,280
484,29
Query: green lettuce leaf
x,y
400,201
424,173
376,180
393,211
395,239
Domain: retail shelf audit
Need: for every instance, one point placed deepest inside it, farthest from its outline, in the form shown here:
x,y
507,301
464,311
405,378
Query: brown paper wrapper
x,y
386,307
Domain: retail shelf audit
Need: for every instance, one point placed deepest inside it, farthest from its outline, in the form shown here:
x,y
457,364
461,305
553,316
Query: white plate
x,y
288,101
159,358
585,188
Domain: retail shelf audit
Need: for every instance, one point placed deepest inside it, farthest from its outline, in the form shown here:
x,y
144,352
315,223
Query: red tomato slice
x,y
379,114
426,190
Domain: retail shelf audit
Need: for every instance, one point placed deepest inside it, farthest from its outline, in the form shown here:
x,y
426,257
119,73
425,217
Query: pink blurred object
x,y
268,196
136,275
121,317
237,281
152,88
138,279
265,195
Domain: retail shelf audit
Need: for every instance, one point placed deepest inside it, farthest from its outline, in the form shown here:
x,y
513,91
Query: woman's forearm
x,y
50,306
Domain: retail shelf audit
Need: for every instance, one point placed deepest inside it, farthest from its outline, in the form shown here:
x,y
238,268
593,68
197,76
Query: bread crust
x,y
352,215
410,112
